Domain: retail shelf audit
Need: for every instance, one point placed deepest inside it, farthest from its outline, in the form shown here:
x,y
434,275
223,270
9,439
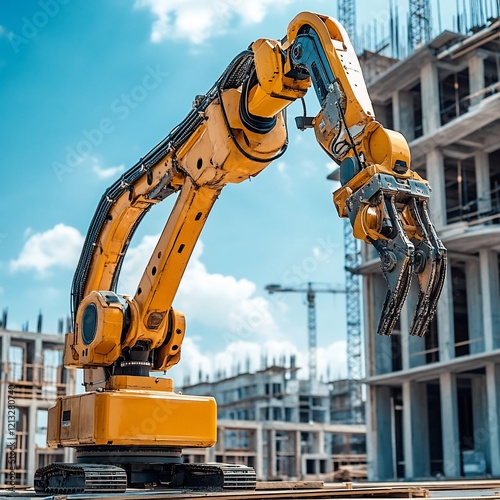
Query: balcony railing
x,y
473,214
34,381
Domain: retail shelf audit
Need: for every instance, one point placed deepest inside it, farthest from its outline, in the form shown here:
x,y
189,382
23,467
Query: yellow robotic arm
x,y
233,132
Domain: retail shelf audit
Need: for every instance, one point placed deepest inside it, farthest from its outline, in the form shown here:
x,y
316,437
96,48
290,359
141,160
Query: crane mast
x,y
346,13
310,291
352,255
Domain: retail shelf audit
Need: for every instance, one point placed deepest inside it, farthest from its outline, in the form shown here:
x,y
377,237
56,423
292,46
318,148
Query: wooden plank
x,y
288,485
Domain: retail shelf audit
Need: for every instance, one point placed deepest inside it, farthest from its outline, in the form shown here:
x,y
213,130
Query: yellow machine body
x,y
142,417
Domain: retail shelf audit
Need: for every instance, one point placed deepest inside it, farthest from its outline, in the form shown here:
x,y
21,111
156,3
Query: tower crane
x,y
311,289
346,14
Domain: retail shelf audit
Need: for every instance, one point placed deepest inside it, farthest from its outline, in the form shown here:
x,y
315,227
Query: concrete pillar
x,y
476,77
482,167
272,453
437,208
493,423
31,449
480,417
368,320
415,430
474,307
490,293
298,455
435,176
445,321
221,434
38,360
412,347
382,355
403,114
405,328
429,84
321,441
259,465
449,420
379,434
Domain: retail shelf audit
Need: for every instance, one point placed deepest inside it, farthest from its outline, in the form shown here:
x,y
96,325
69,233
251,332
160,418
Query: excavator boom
x,y
232,133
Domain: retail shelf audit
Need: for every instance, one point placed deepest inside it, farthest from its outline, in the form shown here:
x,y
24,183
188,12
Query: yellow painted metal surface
x,y
130,382
140,418
105,347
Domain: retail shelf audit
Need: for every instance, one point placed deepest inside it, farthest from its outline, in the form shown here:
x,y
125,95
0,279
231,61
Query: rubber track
x,y
61,478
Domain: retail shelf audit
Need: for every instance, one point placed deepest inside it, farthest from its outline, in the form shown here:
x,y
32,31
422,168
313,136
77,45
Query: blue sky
x,y
87,89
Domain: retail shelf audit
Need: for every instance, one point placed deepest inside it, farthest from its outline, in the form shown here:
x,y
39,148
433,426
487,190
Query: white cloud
x,y
199,20
224,301
105,173
57,247
214,299
282,167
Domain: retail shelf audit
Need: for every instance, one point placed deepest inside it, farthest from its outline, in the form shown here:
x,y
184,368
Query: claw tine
x,y
394,298
442,257
436,292
434,285
397,266
426,268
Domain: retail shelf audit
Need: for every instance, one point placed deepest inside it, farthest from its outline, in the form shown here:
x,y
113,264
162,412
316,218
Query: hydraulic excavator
x,y
128,427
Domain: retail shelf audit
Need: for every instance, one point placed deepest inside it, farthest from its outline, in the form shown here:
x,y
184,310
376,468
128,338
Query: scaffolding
x,y
33,378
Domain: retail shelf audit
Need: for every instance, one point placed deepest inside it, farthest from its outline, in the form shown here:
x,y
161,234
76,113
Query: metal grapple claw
x,y
403,235
435,267
430,267
396,256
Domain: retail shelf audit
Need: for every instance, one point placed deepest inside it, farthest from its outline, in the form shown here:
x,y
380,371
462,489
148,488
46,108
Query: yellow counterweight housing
x,y
133,417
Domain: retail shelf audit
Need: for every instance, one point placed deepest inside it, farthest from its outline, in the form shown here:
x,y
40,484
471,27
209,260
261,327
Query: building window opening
x,y
432,343
460,314
491,75
461,190
41,429
435,428
465,416
16,363
322,466
454,95
417,111
397,432
396,350
310,466
494,162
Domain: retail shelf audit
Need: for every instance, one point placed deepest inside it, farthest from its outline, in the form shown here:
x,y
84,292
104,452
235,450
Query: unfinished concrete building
x,y
433,403
283,426
32,378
